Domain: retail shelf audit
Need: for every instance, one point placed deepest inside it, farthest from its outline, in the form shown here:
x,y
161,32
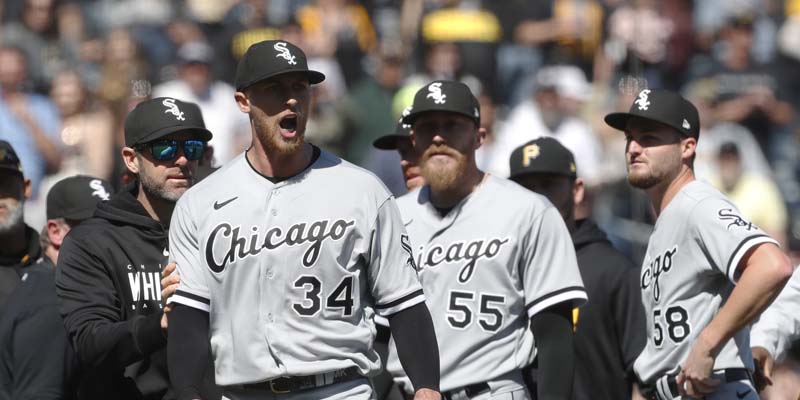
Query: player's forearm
x,y
765,274
188,351
552,329
412,330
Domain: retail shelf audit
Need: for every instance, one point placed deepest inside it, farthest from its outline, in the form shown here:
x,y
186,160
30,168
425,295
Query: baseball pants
x,y
357,389
508,386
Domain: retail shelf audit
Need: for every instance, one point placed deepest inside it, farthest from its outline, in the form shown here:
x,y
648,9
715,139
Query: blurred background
x,y
71,70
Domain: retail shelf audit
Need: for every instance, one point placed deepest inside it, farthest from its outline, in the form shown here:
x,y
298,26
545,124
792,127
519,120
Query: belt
x,y
289,384
469,390
668,385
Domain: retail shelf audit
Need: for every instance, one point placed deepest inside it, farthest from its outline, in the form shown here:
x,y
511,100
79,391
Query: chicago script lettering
x,y
460,251
652,272
238,245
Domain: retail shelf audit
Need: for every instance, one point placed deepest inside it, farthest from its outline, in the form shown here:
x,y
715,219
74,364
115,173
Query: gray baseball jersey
x,y
292,273
688,272
502,255
779,325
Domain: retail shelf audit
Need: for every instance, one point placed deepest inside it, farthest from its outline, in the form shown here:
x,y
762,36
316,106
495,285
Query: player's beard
x,y
657,171
14,215
271,140
443,176
159,190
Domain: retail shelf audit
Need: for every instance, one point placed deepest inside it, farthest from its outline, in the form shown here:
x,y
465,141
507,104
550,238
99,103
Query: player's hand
x,y
427,394
695,378
764,363
169,282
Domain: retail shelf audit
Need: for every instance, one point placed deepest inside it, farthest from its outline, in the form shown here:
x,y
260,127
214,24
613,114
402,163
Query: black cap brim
x,y
75,215
389,142
410,118
204,133
619,120
314,77
10,168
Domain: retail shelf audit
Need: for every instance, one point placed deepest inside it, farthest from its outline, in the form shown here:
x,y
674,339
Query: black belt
x,y
289,384
650,391
470,390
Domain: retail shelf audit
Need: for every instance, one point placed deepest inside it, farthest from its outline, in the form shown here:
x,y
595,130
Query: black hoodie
x,y
109,282
611,327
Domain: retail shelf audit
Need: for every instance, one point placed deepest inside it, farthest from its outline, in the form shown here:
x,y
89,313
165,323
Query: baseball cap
x,y
401,132
664,106
266,59
544,155
161,116
450,96
76,197
8,158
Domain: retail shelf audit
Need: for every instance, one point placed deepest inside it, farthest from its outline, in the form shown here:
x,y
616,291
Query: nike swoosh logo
x,y
218,205
741,395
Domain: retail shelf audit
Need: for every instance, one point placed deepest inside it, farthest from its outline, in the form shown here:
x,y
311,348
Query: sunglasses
x,y
167,150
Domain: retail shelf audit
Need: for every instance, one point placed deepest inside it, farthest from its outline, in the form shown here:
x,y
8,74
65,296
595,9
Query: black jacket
x,y
36,360
11,268
611,327
109,284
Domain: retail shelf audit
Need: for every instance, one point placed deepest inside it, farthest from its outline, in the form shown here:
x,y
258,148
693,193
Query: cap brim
x,y
10,169
204,133
75,215
388,142
619,120
410,118
314,77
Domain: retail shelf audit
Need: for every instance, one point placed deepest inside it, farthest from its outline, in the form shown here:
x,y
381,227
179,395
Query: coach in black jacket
x,y
109,268
610,327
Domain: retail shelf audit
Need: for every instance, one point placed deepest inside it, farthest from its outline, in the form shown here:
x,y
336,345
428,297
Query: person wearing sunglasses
x,y
110,266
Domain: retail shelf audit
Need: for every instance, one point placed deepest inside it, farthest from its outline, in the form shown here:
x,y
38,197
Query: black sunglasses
x,y
167,150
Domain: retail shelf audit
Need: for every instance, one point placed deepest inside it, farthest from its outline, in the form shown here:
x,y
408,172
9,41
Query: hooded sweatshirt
x,y
611,327
109,282
12,267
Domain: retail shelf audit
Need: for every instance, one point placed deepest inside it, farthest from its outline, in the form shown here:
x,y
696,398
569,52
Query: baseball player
x,y
494,259
285,256
401,141
777,327
707,272
609,329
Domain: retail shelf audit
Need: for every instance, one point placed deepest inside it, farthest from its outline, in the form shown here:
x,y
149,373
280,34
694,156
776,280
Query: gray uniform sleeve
x,y
392,272
779,325
724,236
549,267
184,248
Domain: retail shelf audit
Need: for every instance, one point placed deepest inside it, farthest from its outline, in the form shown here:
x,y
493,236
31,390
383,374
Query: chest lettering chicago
x,y
460,251
239,245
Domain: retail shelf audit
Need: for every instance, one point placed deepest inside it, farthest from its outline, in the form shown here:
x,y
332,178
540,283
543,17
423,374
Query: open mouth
x,y
289,125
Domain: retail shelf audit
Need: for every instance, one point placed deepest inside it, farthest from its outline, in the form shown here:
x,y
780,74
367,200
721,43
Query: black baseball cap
x,y
664,106
450,96
76,197
266,59
401,132
8,158
544,155
161,116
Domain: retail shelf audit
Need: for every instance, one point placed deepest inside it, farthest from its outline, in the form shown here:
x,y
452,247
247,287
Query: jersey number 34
x,y
340,298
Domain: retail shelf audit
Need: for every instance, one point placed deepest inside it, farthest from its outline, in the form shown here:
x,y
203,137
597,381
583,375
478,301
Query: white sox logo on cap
x,y
99,191
173,109
643,101
435,92
284,53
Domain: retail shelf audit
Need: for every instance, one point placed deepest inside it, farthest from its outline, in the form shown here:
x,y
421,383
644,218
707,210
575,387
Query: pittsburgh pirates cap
x,y
544,155
444,95
268,58
76,197
8,158
401,132
158,117
664,106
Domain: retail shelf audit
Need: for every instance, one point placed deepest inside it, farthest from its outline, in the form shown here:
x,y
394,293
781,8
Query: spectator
x,y
367,109
245,23
87,135
20,247
757,197
197,84
28,121
339,28
36,359
550,112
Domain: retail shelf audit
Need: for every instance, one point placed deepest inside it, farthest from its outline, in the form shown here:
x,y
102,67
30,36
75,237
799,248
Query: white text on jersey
x,y
239,247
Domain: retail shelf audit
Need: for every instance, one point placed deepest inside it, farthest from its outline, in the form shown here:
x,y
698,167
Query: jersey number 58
x,y
677,325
